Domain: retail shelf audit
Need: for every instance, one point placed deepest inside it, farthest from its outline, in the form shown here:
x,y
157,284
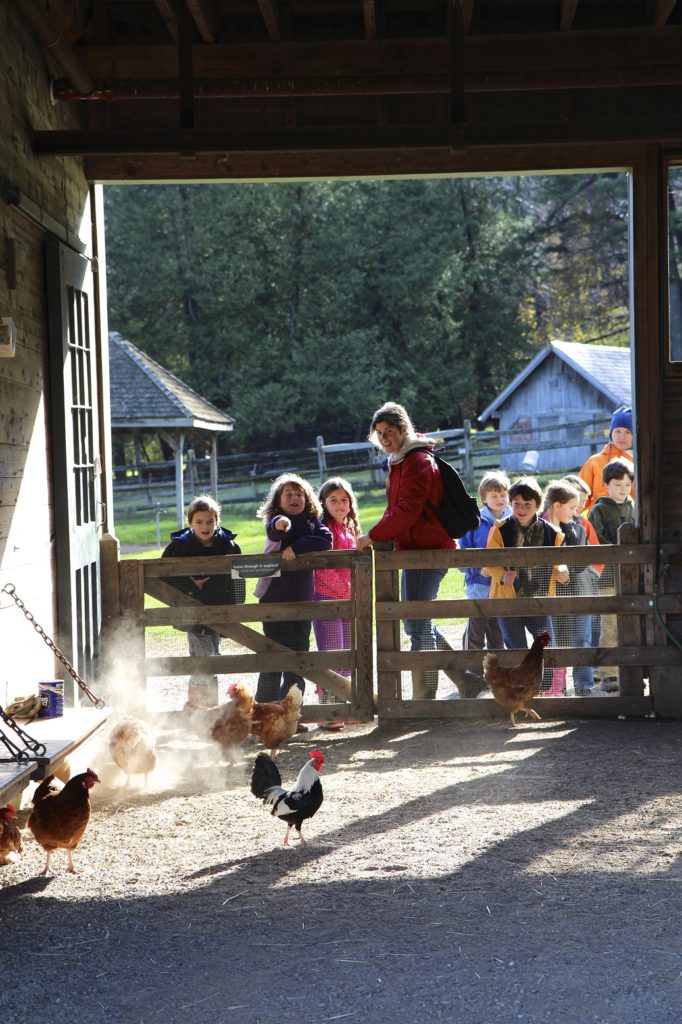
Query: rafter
x,y
568,9
456,55
205,17
468,8
269,10
168,9
370,14
662,11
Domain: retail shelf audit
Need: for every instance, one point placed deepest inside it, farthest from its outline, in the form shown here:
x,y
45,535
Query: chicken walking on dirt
x,y
275,721
61,814
291,805
228,724
10,836
132,745
514,687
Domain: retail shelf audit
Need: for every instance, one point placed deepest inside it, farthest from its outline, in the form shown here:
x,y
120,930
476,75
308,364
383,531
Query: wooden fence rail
x,y
375,612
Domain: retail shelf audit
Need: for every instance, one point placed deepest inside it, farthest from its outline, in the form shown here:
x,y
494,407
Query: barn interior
x,y
206,90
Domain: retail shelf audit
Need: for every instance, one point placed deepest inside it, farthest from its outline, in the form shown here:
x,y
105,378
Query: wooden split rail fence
x,y
645,650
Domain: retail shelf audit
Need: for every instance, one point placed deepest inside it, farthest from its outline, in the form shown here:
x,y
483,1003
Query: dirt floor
x,y
466,872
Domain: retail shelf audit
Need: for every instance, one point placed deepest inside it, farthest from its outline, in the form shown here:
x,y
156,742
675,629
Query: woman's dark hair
x,y
394,414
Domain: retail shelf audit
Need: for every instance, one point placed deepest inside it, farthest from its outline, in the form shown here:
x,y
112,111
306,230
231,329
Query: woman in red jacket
x,y
413,488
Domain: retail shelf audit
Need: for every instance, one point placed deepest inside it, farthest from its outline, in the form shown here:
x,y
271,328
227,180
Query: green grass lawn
x,y
241,519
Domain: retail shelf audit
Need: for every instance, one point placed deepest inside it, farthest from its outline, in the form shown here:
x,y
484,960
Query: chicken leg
x,y
526,711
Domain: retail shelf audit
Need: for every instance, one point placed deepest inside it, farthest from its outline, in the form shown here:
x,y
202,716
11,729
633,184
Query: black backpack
x,y
458,512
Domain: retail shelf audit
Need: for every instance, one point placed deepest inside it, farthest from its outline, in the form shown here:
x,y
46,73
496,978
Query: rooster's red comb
x,y
317,755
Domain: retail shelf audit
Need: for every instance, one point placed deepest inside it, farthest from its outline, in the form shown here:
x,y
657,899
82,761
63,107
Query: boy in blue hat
x,y
619,445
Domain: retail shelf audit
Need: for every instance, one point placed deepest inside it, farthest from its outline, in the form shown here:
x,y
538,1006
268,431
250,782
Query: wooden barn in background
x,y
113,92
568,384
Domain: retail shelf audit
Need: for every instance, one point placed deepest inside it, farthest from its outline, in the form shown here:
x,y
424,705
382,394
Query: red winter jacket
x,y
408,521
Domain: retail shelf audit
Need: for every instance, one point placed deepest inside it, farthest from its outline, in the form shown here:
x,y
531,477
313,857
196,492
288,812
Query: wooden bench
x,y
61,737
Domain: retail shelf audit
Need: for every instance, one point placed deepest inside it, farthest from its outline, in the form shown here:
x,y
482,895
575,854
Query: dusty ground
x,y
465,873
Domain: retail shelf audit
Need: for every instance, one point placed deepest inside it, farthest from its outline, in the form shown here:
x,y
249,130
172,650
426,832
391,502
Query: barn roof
x,y
146,396
606,367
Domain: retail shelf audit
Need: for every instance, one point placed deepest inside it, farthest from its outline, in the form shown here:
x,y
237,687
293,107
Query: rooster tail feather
x,y
265,774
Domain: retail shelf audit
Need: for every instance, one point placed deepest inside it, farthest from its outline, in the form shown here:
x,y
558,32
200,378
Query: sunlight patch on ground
x,y
452,838
408,736
644,841
549,730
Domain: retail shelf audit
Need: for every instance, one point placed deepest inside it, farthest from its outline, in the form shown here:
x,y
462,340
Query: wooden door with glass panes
x,y
75,457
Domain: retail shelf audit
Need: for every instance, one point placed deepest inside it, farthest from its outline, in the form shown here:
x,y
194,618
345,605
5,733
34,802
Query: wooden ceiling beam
x,y
205,16
366,162
661,129
468,8
487,58
568,10
169,11
369,12
269,10
662,11
456,61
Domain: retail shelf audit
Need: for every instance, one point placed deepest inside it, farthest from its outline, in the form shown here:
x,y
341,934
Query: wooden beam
x,y
253,166
269,10
662,11
185,71
168,9
456,61
370,15
545,60
450,136
468,8
568,9
205,18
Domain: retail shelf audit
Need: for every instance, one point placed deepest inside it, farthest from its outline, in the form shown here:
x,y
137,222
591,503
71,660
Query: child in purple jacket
x,y
294,527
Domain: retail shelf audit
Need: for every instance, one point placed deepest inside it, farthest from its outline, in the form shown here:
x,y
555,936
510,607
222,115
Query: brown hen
x,y
61,815
10,836
514,687
226,724
274,722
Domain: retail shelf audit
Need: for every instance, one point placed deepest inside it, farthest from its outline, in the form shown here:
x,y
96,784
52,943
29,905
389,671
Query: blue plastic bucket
x,y
51,698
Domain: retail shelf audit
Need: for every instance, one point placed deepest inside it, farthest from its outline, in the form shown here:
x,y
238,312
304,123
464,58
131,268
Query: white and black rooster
x,y
291,805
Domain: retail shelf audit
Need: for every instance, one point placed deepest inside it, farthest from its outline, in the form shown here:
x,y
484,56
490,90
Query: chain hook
x,y
10,589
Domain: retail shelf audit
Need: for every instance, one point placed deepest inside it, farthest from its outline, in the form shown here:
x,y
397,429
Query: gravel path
x,y
466,873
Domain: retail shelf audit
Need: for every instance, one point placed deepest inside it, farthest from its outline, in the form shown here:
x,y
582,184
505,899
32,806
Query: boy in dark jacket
x,y
607,515
204,536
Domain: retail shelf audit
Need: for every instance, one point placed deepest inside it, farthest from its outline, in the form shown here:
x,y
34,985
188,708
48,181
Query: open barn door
x,y
75,453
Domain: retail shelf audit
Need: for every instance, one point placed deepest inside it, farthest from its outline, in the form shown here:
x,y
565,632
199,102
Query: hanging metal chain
x,y
32,750
10,589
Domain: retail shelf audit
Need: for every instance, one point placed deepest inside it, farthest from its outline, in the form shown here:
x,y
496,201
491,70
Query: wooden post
x,y
629,626
179,480
131,575
361,635
214,466
388,636
467,462
321,460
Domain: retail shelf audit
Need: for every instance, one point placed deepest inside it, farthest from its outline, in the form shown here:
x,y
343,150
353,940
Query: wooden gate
x,y
641,652
144,579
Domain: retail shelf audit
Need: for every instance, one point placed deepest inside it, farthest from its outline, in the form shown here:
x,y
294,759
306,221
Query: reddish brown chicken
x,y
274,723
226,724
513,688
10,836
61,814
